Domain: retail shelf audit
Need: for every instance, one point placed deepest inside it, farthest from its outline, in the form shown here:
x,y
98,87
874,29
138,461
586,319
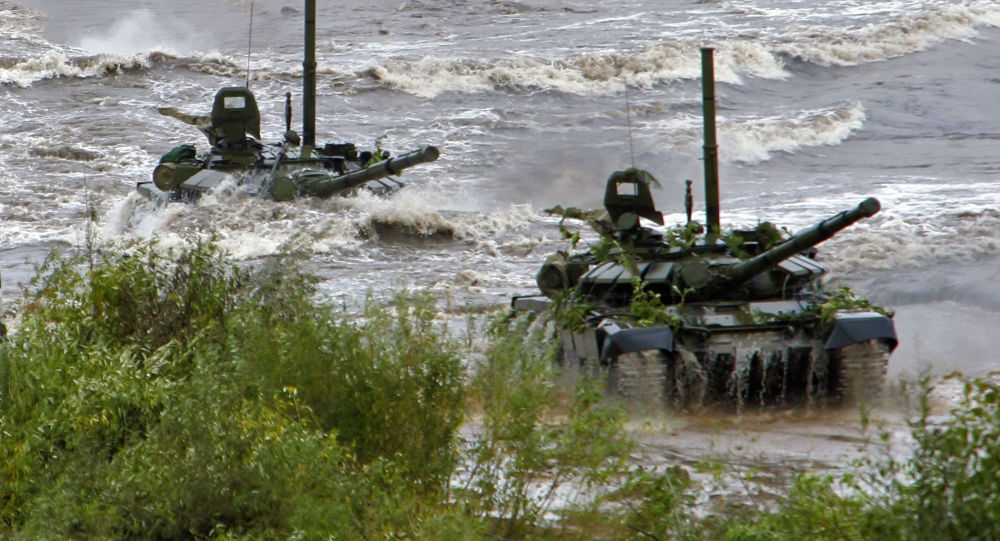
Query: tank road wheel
x,y
857,372
639,379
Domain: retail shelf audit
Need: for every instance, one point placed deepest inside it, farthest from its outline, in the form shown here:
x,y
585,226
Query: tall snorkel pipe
x,y
711,147
309,79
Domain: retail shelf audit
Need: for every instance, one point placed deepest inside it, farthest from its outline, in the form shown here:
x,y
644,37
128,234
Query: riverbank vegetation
x,y
180,396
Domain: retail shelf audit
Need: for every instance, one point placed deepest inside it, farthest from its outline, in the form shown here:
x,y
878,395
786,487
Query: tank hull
x,y
282,174
741,355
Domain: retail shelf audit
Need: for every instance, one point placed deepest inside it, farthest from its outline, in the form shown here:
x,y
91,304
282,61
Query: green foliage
x,y
947,489
734,242
540,442
648,308
606,249
183,396
811,511
572,236
768,234
180,396
378,154
846,299
684,237
570,312
658,505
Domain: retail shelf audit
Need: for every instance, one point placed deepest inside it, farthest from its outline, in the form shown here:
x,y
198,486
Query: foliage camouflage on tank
x,y
687,316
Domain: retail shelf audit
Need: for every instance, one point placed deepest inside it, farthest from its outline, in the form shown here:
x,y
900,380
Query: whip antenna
x,y
628,116
249,43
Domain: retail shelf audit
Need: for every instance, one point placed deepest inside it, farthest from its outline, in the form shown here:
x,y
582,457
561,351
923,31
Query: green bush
x,y
946,489
182,397
551,461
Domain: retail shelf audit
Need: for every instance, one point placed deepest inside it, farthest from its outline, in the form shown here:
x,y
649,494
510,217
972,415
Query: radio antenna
x,y
628,116
249,43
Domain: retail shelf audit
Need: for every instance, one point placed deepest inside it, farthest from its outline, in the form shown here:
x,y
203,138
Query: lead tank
x,y
282,170
688,316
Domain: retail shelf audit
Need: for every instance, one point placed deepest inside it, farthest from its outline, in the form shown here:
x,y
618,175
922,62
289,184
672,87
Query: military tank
x,y
282,170
688,316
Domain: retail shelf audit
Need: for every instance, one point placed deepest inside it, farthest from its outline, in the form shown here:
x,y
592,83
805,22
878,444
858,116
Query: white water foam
x,y
756,140
892,38
592,74
20,22
897,241
247,226
55,64
414,211
736,57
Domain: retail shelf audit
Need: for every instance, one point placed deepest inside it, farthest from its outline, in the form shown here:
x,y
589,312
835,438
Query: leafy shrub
x,y
944,490
545,450
947,489
176,397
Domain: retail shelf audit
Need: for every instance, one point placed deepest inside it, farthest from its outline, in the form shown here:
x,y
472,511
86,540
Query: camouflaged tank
x,y
281,170
684,317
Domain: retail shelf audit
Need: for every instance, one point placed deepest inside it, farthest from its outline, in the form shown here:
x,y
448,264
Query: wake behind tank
x,y
281,170
689,316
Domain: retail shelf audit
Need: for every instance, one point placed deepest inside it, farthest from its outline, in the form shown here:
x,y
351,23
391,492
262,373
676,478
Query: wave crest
x,y
54,65
756,140
893,38
592,74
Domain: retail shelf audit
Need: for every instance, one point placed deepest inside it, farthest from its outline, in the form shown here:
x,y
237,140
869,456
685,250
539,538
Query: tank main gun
x,y
802,241
326,186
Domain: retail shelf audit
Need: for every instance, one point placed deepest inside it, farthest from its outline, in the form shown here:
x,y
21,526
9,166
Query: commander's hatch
x,y
628,193
234,116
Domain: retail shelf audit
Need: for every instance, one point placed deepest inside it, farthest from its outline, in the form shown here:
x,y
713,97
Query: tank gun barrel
x,y
803,240
327,187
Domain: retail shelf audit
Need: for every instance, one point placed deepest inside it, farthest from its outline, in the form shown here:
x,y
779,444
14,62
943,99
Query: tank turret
x,y
281,170
691,315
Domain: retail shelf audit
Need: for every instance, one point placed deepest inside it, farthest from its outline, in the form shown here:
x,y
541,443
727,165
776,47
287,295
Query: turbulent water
x,y
821,104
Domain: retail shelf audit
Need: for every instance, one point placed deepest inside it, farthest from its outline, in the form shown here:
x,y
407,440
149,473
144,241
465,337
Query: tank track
x,y
649,380
640,378
859,371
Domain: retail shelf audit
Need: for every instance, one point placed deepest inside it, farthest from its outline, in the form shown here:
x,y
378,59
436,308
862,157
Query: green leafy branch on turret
x,y
734,241
379,154
766,234
572,236
845,299
683,236
824,311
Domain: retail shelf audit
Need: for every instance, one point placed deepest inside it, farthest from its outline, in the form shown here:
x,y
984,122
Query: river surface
x,y
821,103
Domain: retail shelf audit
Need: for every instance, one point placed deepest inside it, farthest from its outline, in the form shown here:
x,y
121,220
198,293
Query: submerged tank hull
x,y
734,354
